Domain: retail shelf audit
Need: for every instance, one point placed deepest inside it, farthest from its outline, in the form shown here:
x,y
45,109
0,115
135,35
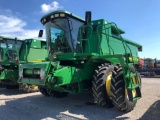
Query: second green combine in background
x,y
13,52
32,51
9,51
86,55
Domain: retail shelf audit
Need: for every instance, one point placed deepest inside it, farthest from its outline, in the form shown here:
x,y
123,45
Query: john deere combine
x,y
9,49
13,52
86,55
32,51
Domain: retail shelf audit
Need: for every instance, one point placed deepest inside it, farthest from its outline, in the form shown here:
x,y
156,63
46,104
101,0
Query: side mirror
x,y
15,40
88,17
70,25
1,40
40,33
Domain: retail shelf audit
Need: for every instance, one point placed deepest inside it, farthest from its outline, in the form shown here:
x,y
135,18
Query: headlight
x,y
44,20
56,15
62,15
52,16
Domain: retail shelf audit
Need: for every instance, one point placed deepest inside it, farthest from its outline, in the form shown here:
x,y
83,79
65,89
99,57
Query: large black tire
x,y
57,94
2,85
99,88
12,86
118,90
43,91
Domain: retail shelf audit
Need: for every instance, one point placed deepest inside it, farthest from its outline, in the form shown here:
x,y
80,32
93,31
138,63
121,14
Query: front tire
x,y
11,86
101,85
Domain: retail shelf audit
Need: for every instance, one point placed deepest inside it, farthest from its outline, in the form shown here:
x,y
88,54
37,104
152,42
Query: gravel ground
x,y
16,105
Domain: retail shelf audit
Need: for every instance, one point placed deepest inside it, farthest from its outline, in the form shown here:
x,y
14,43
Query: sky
x,y
140,19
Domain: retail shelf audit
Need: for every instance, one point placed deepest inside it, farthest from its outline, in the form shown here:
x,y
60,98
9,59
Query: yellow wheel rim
x,y
108,84
133,91
33,86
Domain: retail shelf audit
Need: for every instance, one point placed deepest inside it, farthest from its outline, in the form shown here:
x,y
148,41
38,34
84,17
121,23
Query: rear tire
x,y
99,88
118,90
2,85
11,86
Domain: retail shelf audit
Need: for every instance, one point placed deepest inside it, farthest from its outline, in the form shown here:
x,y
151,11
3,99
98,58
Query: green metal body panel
x,y
51,73
33,50
8,74
102,39
97,42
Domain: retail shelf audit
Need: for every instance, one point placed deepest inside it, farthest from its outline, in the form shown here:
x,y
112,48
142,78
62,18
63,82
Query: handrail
x,y
82,29
123,41
107,37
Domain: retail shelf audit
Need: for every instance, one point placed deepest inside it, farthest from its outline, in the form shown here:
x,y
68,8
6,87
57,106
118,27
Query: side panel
x,y
69,75
36,54
117,47
33,51
52,74
9,74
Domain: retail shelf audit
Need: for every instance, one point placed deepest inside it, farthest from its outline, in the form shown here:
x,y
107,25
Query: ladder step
x,y
136,98
129,64
130,76
134,86
130,94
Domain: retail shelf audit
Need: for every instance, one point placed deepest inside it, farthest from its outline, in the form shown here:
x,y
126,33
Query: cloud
x,y
14,27
24,34
50,7
10,24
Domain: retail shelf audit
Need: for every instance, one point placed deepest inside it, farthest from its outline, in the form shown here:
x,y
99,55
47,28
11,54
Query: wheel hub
x,y
108,84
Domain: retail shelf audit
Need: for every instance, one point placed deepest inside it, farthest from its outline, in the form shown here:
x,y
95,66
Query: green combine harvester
x,y
86,55
9,48
32,51
13,52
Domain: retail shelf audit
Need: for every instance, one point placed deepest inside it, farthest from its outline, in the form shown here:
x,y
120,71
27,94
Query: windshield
x,y
8,49
8,43
62,35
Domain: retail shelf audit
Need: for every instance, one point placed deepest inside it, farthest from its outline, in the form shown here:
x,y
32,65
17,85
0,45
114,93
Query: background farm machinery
x,y
13,52
149,67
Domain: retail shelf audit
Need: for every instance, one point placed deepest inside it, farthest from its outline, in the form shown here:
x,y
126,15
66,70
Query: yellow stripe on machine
x,y
35,61
133,58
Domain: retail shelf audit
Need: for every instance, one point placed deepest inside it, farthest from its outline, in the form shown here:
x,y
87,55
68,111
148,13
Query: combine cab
x,y
86,55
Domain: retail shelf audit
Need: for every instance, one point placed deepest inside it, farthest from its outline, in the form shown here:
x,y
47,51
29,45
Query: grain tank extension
x,y
86,55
